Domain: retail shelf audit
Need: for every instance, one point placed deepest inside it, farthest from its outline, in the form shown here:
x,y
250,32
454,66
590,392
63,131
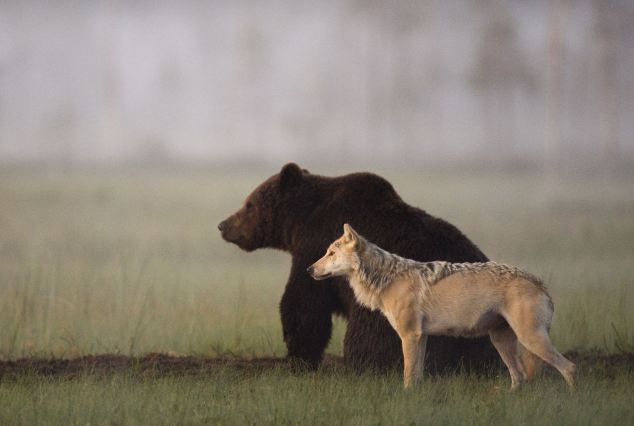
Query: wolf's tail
x,y
532,363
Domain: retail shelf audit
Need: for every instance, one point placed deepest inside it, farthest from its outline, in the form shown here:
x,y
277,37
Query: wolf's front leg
x,y
420,364
412,358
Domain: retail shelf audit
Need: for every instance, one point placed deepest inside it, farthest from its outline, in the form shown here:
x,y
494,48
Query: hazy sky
x,y
276,80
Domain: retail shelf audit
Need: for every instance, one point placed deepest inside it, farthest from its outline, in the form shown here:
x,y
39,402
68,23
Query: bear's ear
x,y
290,175
350,234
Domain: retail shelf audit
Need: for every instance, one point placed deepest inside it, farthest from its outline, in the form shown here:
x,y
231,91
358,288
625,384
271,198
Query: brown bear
x,y
301,213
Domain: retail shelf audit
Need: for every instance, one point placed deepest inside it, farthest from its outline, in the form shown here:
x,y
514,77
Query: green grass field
x,y
131,262
279,398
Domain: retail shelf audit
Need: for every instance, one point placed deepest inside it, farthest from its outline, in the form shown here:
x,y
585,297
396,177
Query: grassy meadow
x,y
131,262
318,398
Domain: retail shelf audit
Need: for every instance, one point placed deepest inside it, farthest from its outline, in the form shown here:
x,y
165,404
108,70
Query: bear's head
x,y
261,220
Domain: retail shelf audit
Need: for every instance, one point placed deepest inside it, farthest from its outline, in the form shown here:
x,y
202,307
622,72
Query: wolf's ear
x,y
290,175
350,234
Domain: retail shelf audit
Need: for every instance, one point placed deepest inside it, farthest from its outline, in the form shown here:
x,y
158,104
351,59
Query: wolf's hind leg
x,y
539,343
505,341
531,362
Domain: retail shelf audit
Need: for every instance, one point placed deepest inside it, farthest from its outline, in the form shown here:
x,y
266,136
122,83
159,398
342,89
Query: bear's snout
x,y
232,231
228,231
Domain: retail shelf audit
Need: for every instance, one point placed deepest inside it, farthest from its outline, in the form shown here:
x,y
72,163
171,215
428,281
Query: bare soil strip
x,y
158,364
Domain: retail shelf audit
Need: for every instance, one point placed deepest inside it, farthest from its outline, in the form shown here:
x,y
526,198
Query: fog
x,y
486,81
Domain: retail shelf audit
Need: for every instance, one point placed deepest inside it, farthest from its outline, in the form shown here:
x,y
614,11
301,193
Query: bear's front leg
x,y
306,311
370,342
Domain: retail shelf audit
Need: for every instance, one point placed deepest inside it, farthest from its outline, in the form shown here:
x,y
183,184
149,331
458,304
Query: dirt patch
x,y
158,364
606,364
153,364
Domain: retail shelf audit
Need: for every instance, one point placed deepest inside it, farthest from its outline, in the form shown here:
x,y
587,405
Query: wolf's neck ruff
x,y
376,270
377,267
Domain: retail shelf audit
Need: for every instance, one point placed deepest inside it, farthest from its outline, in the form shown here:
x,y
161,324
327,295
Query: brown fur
x,y
301,213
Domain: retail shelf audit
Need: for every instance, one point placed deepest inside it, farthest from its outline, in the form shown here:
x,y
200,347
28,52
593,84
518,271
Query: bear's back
x,y
372,206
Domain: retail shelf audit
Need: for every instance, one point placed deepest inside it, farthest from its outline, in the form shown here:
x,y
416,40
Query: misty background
x,y
130,129
547,83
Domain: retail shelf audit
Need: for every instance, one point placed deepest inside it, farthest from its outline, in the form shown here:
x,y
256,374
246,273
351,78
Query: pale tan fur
x,y
436,298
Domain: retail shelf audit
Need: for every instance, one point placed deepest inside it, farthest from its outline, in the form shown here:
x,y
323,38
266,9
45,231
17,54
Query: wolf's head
x,y
341,258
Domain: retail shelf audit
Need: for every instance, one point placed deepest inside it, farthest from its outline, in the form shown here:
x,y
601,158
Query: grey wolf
x,y
420,299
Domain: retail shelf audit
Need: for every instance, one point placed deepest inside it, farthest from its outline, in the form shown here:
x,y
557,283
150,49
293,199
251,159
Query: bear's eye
x,y
249,206
331,253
